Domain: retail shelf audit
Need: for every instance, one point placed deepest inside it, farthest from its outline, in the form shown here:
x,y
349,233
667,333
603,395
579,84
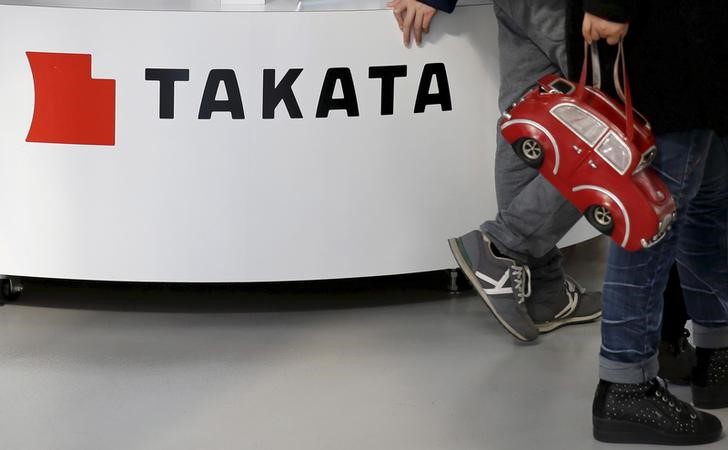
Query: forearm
x,y
443,5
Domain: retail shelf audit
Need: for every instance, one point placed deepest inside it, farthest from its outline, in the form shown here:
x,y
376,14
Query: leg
x,y
525,199
703,267
675,315
497,261
702,250
634,281
527,52
676,356
630,405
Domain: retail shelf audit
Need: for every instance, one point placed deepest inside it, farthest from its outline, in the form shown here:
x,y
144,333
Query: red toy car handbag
x,y
596,151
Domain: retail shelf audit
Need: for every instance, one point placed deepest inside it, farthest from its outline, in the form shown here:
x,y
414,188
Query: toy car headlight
x,y
615,152
647,158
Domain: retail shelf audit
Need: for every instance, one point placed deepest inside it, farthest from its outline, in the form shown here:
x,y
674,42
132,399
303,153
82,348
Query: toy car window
x,y
615,152
586,126
562,86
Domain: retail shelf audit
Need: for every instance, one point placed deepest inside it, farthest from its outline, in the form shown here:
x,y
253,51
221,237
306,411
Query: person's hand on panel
x,y
413,18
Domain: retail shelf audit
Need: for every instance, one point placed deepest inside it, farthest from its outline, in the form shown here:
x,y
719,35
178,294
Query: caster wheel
x,y
10,289
456,281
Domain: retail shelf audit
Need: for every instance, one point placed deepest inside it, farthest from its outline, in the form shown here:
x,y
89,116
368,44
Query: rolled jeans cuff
x,y
710,337
632,373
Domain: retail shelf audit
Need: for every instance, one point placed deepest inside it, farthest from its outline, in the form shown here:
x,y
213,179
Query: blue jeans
x,y
694,165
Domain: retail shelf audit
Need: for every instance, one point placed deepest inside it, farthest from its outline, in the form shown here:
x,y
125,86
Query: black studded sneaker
x,y
502,283
676,360
647,413
710,378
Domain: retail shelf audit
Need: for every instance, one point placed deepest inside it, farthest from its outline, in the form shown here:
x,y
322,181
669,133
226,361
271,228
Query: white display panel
x,y
253,199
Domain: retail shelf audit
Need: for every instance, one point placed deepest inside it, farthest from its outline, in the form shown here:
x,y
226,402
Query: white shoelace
x,y
521,276
572,285
573,292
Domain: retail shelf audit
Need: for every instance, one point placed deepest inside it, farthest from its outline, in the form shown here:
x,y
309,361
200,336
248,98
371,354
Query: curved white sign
x,y
241,146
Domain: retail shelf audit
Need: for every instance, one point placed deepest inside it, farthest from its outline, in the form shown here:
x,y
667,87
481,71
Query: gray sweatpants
x,y
533,216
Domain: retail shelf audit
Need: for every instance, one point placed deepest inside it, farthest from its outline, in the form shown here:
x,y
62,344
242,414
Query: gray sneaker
x,y
575,305
501,282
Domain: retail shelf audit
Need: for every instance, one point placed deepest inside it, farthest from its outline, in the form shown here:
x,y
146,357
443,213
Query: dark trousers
x,y
675,314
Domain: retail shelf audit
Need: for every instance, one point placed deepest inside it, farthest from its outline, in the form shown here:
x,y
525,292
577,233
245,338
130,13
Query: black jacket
x,y
677,58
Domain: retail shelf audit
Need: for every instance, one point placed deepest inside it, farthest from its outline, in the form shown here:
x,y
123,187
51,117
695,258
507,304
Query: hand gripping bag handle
x,y
620,84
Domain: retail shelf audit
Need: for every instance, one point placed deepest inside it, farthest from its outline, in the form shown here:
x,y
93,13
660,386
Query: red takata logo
x,y
70,106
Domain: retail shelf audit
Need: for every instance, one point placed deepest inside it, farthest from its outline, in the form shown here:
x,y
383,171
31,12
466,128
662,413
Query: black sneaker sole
x,y
462,262
623,432
711,397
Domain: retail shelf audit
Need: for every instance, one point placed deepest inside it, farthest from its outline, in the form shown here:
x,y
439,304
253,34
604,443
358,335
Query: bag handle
x,y
621,85
626,94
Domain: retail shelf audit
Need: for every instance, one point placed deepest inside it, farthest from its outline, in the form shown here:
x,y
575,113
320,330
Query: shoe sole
x,y
556,324
623,432
712,397
455,249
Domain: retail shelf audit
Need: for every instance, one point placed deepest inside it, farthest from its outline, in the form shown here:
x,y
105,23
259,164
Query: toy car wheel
x,y
601,218
530,151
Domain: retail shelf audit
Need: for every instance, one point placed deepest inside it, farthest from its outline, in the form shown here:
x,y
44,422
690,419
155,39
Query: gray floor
x,y
393,363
